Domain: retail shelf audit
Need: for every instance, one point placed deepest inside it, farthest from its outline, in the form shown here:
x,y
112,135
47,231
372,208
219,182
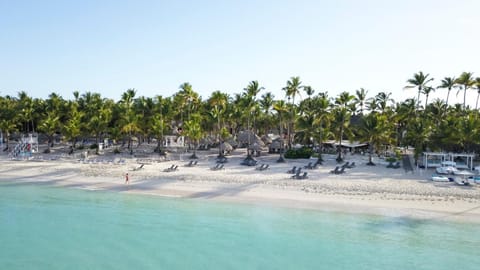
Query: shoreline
x,y
362,190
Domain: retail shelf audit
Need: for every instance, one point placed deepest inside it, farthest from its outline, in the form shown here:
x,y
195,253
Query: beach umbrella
x,y
250,137
255,147
266,139
232,142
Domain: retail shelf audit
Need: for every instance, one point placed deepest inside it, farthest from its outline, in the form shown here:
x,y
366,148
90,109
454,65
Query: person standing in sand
x,y
127,180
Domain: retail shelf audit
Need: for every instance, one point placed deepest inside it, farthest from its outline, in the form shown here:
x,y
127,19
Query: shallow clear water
x,y
44,227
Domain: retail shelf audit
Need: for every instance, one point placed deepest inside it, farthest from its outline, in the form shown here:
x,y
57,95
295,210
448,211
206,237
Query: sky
x,y
154,46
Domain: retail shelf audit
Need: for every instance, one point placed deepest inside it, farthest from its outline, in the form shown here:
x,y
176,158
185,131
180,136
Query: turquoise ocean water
x,y
43,227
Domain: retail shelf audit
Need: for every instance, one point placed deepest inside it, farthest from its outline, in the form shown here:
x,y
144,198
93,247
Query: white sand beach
x,y
362,189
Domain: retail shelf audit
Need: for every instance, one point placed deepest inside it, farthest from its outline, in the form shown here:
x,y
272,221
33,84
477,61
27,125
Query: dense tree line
x,y
377,120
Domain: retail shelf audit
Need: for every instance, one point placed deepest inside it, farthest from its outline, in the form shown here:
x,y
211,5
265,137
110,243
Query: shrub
x,y
391,159
303,152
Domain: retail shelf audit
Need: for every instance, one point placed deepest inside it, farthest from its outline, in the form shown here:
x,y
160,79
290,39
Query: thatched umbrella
x,y
232,142
248,137
225,146
266,139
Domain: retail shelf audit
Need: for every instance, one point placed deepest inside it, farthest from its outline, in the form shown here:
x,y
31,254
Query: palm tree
x,y
322,121
477,86
466,80
360,98
218,101
382,99
129,123
8,117
281,108
292,89
250,95
26,110
194,132
50,126
375,132
341,124
448,83
419,81
427,90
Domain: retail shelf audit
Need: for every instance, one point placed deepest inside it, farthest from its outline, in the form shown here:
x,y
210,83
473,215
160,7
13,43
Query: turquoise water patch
x,y
44,227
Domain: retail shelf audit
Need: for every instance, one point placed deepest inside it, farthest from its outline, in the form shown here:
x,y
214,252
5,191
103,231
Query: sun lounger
x,y
336,170
192,163
262,167
139,167
222,160
296,175
300,176
172,168
342,170
352,165
346,164
293,170
218,166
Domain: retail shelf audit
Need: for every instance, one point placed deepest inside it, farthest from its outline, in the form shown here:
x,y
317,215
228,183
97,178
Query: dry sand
x,y
363,189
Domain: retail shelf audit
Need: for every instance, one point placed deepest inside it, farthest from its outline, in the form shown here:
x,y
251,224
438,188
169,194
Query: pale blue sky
x,y
154,46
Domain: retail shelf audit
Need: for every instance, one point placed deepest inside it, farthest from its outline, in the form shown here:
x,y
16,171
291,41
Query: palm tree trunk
x,y
418,97
464,96
476,103
448,94
281,158
339,157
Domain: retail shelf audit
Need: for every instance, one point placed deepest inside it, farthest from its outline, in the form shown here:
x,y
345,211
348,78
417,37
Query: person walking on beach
x,y
126,178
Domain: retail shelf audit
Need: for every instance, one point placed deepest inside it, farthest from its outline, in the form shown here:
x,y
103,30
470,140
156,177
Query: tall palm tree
x,y
322,121
448,83
466,81
8,118
266,104
419,81
375,132
360,97
341,125
382,99
477,86
50,126
427,90
281,108
292,89
129,120
194,132
250,100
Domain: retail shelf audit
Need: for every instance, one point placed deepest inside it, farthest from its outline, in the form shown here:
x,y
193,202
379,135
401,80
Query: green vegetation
x,y
300,117
303,152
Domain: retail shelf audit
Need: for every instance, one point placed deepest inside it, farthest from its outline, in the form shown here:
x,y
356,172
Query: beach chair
x,y
217,167
222,160
189,164
336,170
293,170
260,168
296,175
397,165
303,176
352,165
346,164
342,170
171,168
265,167
308,166
139,167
